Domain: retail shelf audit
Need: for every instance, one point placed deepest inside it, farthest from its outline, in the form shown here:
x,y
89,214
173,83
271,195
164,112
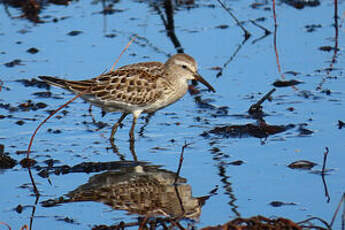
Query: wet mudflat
x,y
250,150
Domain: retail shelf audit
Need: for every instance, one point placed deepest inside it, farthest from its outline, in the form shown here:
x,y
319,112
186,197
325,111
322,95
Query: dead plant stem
x,y
180,162
117,60
342,201
1,84
246,33
34,134
325,154
45,120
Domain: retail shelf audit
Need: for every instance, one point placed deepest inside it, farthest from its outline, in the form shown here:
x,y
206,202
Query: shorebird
x,y
137,88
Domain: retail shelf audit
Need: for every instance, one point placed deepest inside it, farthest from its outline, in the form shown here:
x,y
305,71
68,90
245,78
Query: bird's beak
x,y
203,81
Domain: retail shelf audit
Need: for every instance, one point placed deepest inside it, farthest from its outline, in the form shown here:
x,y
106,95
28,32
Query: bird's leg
x,y
90,113
147,120
116,125
116,151
136,115
131,133
132,148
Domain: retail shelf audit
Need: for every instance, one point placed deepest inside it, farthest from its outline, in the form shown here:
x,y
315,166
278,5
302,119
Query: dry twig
x,y
342,200
181,161
255,108
45,120
325,154
117,60
3,223
246,33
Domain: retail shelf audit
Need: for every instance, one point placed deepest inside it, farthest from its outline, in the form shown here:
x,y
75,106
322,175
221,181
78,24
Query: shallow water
x,y
206,31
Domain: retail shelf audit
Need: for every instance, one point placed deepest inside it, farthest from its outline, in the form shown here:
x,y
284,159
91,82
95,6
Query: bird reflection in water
x,y
144,189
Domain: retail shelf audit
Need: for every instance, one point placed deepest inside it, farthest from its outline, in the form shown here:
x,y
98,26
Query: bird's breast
x,y
168,97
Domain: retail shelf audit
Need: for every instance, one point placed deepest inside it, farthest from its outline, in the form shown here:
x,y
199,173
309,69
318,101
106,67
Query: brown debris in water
x,y
13,63
31,9
29,105
300,4
252,223
280,203
6,161
261,130
285,83
259,223
27,163
302,164
74,33
33,82
328,48
32,50
255,110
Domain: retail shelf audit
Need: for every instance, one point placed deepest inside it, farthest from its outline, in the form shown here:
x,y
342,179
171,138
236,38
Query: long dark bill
x,y
203,81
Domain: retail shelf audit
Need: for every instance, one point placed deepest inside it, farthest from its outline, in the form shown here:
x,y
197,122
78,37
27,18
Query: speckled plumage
x,y
136,88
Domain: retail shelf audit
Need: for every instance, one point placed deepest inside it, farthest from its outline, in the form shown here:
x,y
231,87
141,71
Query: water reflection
x,y
138,188
30,9
168,21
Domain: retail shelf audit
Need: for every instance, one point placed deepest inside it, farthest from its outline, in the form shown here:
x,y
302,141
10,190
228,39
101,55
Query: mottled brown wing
x,y
133,86
79,86
153,68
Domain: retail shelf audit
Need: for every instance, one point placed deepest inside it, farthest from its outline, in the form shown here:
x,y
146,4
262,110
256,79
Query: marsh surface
x,y
239,160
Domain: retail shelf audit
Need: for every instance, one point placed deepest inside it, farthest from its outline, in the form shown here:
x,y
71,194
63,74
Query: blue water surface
x,y
206,31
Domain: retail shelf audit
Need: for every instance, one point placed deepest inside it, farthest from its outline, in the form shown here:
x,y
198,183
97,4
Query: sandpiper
x,y
136,88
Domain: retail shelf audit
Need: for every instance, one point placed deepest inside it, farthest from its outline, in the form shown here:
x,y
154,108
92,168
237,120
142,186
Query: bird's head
x,y
187,68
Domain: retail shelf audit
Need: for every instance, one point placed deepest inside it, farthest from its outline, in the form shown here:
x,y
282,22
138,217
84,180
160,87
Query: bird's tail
x,y
54,81
74,86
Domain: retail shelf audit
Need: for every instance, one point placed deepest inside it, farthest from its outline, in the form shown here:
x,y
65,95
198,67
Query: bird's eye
x,y
184,66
